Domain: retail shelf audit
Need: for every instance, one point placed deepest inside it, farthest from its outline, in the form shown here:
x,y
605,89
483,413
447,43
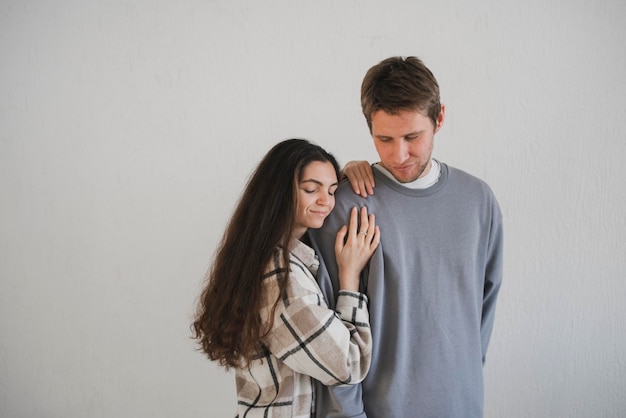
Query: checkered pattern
x,y
308,341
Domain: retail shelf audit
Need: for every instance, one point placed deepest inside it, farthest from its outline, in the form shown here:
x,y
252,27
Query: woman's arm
x,y
334,347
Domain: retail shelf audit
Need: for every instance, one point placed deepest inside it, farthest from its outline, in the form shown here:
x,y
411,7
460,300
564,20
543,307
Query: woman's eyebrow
x,y
317,182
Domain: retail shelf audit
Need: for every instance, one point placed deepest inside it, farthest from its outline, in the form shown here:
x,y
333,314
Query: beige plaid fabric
x,y
308,341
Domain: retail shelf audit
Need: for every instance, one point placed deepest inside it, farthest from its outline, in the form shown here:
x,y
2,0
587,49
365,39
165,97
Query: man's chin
x,y
404,177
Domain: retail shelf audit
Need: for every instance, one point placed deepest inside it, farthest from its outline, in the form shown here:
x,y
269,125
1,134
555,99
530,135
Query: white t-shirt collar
x,y
423,182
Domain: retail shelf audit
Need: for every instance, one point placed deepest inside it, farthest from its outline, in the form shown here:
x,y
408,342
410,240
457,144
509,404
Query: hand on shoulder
x,y
360,176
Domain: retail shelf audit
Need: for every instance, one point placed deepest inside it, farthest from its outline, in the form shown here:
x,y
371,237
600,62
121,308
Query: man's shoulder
x,y
345,198
460,173
466,179
345,190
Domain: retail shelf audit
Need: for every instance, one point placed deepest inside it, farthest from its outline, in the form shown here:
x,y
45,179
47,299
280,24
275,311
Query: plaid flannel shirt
x,y
307,341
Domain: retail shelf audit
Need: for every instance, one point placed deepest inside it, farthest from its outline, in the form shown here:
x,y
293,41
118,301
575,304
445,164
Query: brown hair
x,y
397,84
228,324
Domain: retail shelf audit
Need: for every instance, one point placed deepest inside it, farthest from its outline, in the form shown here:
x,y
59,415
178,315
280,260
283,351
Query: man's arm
x,y
493,277
336,401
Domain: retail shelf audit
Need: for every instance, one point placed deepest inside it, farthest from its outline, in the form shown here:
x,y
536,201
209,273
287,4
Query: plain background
x,y
128,130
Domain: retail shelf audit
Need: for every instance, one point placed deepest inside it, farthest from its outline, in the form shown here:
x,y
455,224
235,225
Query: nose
x,y
400,151
323,199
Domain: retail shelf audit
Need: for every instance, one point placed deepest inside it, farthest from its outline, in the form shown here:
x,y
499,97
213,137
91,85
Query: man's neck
x,y
424,182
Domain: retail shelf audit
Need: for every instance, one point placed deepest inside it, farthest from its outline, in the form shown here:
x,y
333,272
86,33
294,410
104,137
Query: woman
x,y
262,312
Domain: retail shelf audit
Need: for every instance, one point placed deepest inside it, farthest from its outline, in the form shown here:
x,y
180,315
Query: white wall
x,y
128,128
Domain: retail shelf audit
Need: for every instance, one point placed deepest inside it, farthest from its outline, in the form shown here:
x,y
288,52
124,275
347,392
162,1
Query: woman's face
x,y
315,196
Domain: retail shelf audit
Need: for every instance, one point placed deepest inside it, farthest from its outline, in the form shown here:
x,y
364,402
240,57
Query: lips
x,y
407,167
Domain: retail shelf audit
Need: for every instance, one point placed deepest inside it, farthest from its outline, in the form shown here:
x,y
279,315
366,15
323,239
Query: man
x,y
433,282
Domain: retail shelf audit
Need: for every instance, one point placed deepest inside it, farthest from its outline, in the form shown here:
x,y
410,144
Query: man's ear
x,y
441,117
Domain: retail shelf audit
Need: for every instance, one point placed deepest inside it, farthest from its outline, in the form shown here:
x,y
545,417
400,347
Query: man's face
x,y
404,142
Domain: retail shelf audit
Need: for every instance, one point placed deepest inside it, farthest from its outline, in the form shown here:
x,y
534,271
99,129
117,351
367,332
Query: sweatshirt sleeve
x,y
332,346
493,277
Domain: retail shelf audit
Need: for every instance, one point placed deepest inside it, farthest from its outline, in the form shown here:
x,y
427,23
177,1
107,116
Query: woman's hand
x,y
360,176
354,246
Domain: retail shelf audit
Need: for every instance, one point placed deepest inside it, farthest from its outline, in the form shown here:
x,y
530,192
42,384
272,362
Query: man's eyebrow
x,y
403,136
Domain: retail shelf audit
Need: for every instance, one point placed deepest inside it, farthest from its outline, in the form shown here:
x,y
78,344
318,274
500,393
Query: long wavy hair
x,y
228,323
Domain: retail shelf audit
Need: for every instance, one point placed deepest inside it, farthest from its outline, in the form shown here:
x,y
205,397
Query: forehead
x,y
403,122
319,171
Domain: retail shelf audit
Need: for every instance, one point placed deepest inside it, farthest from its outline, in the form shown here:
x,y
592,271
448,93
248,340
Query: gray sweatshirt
x,y
432,286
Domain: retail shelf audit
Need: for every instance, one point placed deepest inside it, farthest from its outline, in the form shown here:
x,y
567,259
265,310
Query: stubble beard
x,y
420,171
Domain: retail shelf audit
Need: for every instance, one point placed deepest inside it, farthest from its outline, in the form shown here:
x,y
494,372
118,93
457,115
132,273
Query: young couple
x,y
389,322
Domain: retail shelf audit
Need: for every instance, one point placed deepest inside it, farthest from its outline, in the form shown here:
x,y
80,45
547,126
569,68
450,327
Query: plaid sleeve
x,y
332,347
